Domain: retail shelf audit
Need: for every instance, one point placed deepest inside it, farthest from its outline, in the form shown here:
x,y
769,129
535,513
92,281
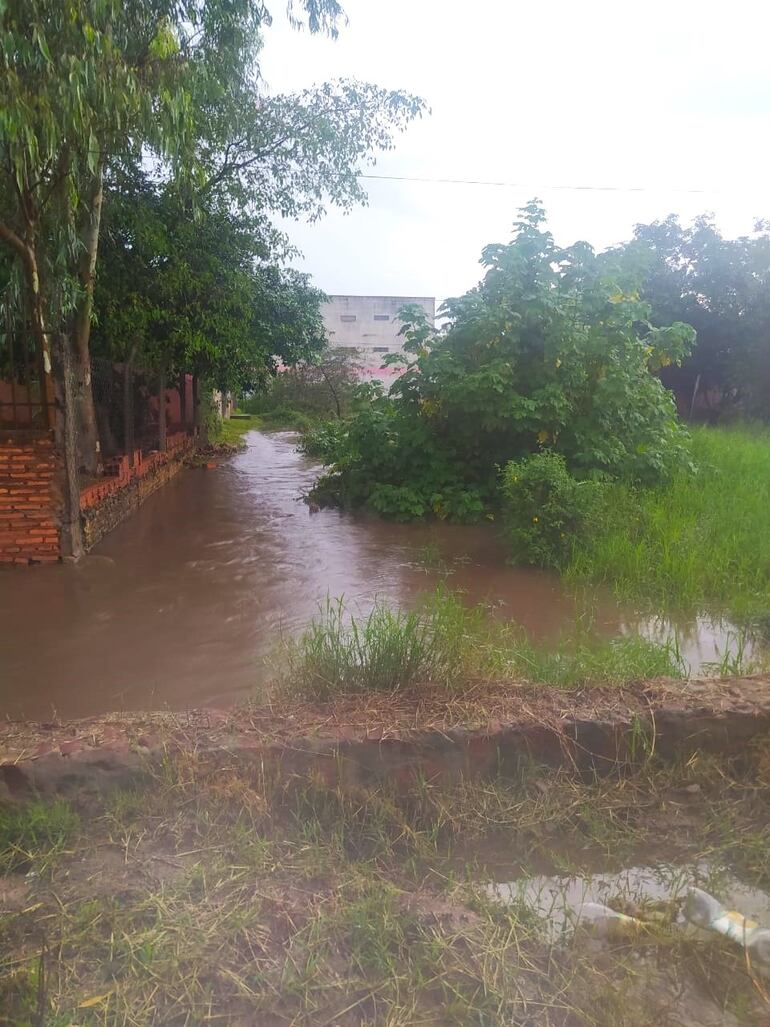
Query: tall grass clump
x,y
382,651
700,542
445,642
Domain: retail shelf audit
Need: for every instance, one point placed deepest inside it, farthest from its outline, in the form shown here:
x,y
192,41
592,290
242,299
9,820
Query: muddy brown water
x,y
186,602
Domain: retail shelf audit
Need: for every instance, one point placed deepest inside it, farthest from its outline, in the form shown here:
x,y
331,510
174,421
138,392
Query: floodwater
x,y
185,603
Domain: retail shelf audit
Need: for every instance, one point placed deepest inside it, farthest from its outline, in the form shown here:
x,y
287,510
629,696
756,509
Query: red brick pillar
x,y
29,503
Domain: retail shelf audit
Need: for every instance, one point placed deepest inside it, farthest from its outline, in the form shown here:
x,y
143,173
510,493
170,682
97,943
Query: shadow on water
x,y
181,605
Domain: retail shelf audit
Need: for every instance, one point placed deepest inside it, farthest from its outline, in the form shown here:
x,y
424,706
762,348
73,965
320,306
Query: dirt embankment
x,y
364,739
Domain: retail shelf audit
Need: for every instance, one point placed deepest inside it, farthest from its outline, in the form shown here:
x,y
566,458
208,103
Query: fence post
x,y
196,404
162,411
182,386
128,410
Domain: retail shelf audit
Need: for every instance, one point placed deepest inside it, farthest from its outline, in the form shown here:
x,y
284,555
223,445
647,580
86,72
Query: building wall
x,y
369,323
30,507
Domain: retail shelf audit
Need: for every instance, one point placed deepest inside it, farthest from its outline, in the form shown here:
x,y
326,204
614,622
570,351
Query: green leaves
x,y
164,43
114,88
546,509
551,350
183,290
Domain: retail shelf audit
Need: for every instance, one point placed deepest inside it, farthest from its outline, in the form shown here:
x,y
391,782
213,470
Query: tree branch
x,y
14,241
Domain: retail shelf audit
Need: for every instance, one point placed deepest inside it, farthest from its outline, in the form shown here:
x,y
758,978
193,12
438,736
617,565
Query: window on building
x,y
382,317
380,349
347,317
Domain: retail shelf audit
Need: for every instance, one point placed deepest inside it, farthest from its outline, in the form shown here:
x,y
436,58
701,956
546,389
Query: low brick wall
x,y
105,503
29,502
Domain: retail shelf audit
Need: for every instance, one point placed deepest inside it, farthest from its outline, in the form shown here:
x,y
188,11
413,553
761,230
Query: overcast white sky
x,y
667,96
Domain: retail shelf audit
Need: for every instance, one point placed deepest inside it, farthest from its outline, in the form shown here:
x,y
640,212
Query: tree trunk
x,y
162,412
694,396
25,250
333,390
59,369
90,457
200,427
65,430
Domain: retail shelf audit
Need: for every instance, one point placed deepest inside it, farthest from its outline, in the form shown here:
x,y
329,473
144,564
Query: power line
x,y
544,188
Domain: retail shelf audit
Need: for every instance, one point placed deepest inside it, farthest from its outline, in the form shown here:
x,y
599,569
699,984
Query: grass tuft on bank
x,y
445,642
700,542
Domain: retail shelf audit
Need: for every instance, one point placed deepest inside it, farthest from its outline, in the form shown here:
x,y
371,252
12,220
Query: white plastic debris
x,y
602,922
703,910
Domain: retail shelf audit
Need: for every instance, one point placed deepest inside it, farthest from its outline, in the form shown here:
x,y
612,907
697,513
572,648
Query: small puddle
x,y
664,968
557,900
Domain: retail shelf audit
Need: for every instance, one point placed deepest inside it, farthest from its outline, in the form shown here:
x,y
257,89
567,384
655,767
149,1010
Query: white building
x,y
369,324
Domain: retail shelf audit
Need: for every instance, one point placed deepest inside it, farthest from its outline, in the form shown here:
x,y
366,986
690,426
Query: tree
x,y
86,82
180,291
722,288
551,351
325,385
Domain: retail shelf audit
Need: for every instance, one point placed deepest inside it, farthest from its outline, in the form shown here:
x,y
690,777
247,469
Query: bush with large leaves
x,y
552,350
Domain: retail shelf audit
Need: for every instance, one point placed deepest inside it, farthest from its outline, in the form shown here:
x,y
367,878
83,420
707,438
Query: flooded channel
x,y
184,604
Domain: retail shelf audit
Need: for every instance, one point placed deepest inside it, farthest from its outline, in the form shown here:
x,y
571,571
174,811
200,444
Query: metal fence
x,y
24,397
128,407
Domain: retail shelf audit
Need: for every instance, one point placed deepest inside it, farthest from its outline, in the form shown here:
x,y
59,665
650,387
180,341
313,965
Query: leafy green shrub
x,y
386,460
324,440
403,503
547,509
552,349
287,417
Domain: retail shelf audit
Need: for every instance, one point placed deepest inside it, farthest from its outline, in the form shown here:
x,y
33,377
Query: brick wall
x,y
113,498
29,504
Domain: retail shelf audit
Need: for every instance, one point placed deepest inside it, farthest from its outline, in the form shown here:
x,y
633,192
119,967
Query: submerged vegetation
x,y
215,894
447,643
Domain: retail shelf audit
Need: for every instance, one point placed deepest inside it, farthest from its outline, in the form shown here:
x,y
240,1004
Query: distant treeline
x,y
722,288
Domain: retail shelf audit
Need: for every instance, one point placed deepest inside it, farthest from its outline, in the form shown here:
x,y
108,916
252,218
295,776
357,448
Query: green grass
x,y
445,642
700,543
231,432
34,833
